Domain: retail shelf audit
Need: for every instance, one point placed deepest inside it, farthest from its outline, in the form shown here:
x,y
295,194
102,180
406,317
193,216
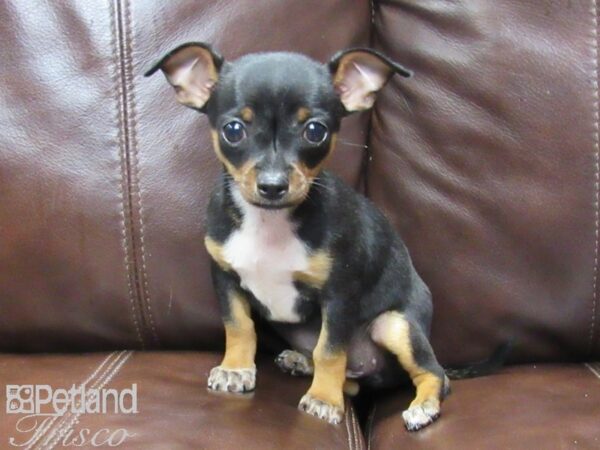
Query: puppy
x,y
291,241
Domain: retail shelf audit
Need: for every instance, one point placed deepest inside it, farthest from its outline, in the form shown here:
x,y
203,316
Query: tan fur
x,y
341,71
330,372
351,388
302,176
215,250
233,171
303,114
319,267
244,176
247,114
392,330
240,337
299,182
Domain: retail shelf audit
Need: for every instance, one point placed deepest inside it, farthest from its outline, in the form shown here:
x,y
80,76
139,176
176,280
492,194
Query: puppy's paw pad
x,y
232,380
295,363
419,416
323,410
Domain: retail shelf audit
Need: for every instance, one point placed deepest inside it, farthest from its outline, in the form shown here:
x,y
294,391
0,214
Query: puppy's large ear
x,y
359,73
193,70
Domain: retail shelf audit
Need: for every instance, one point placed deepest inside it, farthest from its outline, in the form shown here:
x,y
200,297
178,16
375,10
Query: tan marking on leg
x,y
330,372
319,268
392,331
215,250
240,337
247,114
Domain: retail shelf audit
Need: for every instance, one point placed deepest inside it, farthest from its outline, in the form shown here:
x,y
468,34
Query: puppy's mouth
x,y
267,197
272,205
290,200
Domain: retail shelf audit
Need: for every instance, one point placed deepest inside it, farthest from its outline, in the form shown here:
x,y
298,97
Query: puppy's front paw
x,y
323,410
419,416
294,363
232,380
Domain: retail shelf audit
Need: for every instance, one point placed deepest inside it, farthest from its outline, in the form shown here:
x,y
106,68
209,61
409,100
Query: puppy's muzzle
x,y
272,186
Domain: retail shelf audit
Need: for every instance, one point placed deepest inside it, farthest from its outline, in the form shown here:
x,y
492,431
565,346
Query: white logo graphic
x,y
35,399
41,405
20,399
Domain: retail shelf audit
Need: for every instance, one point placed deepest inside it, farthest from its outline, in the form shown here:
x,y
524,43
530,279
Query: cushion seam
x,y
126,238
135,169
596,137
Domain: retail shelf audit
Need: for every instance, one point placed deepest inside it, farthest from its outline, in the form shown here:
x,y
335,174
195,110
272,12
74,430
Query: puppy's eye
x,y
234,131
315,132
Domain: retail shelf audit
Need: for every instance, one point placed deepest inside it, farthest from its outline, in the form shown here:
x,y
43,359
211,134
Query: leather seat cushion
x,y
175,409
524,407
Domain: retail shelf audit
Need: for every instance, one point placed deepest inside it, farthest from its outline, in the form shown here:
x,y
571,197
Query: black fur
x,y
372,271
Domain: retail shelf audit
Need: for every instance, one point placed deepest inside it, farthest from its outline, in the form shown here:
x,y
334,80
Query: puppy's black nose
x,y
272,186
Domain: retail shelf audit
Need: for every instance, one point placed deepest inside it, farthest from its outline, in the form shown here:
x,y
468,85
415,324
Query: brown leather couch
x,y
487,162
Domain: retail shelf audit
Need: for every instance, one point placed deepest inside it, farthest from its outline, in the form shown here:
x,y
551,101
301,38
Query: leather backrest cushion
x,y
487,162
104,178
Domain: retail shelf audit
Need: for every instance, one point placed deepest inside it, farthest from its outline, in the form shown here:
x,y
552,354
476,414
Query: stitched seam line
x,y
595,371
356,429
370,427
73,419
347,422
127,153
102,383
596,137
126,144
64,419
368,155
41,432
351,424
124,212
372,3
135,171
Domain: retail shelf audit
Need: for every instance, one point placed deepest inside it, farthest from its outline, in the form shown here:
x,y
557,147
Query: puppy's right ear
x,y
193,71
359,74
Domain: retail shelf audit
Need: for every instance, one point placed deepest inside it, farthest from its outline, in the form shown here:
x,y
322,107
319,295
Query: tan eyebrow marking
x,y
247,114
303,114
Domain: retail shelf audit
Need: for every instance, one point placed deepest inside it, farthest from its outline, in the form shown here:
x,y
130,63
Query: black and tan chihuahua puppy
x,y
290,240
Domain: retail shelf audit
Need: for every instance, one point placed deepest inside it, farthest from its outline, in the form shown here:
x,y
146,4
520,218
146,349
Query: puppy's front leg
x,y
325,398
237,372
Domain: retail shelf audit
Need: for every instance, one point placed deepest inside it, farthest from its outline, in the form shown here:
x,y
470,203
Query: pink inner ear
x,y
193,75
359,77
183,73
371,78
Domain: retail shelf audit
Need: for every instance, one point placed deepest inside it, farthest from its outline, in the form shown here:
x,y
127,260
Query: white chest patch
x,y
265,252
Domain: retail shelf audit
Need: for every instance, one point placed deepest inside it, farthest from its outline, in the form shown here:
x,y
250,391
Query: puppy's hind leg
x,y
405,339
298,364
295,363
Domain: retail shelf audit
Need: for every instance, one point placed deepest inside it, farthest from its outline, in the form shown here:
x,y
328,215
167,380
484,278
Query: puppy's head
x,y
274,116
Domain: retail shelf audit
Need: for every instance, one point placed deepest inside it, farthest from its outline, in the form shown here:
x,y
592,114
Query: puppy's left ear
x,y
358,74
193,70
